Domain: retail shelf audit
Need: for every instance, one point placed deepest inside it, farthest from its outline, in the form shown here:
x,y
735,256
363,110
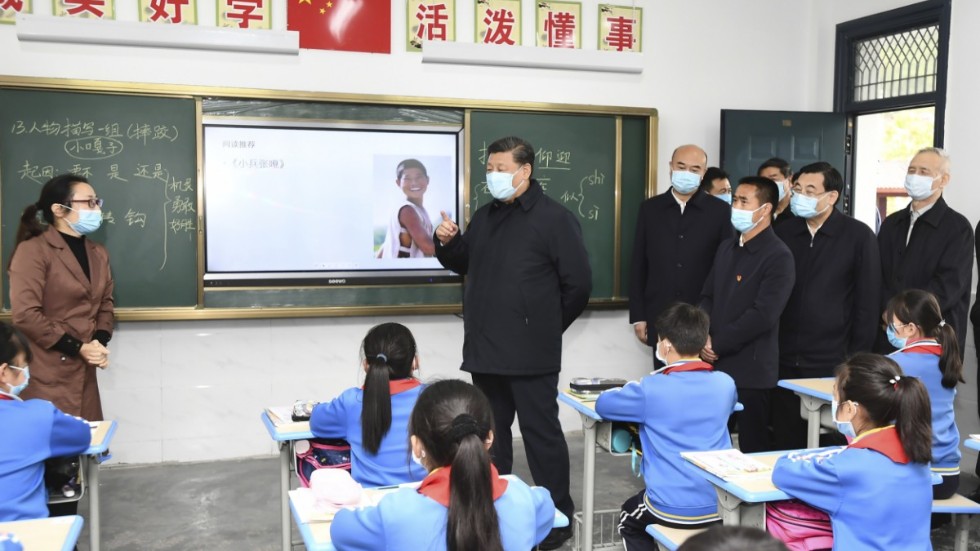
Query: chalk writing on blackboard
x,y
580,197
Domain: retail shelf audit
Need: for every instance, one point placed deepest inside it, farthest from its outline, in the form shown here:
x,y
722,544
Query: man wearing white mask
x,y
779,171
677,234
928,245
833,310
745,294
527,279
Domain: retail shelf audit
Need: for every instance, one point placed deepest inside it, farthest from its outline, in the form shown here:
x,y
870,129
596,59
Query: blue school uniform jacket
x,y
33,431
682,407
876,499
408,519
921,360
341,418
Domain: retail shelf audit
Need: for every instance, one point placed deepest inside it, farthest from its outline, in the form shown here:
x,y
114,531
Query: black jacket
x,y
673,252
938,259
527,279
745,294
833,311
975,313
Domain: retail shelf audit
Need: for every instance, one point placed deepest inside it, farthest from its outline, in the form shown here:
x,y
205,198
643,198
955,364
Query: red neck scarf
x,y
693,365
923,346
883,440
5,397
436,485
401,385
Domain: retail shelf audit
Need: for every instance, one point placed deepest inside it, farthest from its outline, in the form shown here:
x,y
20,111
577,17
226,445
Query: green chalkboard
x,y
575,162
139,153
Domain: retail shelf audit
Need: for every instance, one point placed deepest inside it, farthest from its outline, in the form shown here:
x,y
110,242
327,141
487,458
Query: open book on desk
x,y
282,418
728,464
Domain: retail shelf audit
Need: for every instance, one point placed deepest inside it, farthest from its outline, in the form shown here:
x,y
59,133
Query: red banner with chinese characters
x,y
349,25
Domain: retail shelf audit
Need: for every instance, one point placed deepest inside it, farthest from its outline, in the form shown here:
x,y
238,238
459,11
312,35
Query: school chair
x,y
669,539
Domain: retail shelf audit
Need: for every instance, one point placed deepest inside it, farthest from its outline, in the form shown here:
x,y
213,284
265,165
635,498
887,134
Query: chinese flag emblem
x,y
350,25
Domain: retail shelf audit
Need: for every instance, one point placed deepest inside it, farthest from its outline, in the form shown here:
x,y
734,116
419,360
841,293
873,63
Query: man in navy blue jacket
x,y
527,279
745,294
677,234
833,310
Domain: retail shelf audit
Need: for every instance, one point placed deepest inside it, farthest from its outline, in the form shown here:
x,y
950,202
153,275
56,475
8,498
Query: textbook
x,y
727,464
282,418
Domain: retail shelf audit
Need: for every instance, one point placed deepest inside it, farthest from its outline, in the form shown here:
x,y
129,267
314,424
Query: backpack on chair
x,y
799,526
320,453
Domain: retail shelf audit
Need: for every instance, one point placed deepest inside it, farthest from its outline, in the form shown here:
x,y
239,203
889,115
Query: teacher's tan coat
x,y
49,297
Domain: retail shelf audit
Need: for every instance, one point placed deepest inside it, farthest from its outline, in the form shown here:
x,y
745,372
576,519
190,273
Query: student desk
x,y
46,533
284,435
316,535
102,434
743,502
590,422
814,395
971,443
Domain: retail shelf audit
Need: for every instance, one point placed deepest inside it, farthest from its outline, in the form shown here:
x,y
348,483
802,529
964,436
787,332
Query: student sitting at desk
x,y
928,350
374,418
33,431
683,406
878,489
462,504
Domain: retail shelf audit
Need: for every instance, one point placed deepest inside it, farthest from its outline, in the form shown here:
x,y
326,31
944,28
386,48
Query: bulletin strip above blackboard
x,y
141,146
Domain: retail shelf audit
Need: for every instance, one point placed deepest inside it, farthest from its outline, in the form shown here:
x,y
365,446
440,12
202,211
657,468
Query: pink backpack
x,y
799,526
320,453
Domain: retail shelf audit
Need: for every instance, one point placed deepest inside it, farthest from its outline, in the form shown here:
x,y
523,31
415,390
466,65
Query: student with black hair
x,y
927,349
878,489
33,431
374,418
675,495
462,504
779,171
716,183
732,538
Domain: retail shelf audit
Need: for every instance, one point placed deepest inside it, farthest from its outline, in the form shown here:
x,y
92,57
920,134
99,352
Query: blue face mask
x,y
501,185
919,187
656,353
726,197
16,390
805,207
684,182
781,189
897,342
844,427
88,221
742,219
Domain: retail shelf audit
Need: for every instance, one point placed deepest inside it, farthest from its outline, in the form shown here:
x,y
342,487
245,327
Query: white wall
x,y
193,390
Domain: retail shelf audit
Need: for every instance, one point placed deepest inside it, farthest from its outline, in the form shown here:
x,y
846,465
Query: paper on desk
x,y
306,509
975,436
280,415
728,464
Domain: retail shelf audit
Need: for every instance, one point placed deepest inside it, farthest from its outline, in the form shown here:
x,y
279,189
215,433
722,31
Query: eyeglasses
x,y
92,203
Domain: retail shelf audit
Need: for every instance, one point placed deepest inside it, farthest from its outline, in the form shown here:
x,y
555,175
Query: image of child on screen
x,y
409,231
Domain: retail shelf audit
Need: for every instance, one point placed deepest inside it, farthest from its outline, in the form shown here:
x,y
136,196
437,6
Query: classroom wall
x,y
186,391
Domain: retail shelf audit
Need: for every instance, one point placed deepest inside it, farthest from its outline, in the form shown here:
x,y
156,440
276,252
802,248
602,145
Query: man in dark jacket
x,y
677,234
833,310
527,279
779,171
745,294
928,245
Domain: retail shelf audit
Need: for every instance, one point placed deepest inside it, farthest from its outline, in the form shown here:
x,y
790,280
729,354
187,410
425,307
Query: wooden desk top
x,y
822,387
46,533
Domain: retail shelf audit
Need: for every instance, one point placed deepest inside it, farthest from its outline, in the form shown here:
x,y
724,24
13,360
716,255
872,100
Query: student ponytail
x,y
389,352
56,191
889,396
922,309
453,422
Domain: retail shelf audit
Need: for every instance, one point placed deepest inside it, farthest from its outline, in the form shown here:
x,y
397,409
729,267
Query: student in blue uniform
x,y
928,350
374,418
33,431
878,489
462,504
681,407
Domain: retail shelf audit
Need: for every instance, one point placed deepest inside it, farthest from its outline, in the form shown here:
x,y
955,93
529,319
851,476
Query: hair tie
x,y
464,425
942,323
382,357
894,381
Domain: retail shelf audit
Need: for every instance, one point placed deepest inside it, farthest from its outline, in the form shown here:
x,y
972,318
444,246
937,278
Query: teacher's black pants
x,y
534,399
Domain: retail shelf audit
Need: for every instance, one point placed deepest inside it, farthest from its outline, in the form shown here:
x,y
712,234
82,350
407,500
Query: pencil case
x,y
594,385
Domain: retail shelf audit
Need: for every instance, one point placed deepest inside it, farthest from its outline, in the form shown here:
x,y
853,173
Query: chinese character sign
x,y
430,20
89,9
498,22
559,25
169,11
245,14
10,8
348,25
620,28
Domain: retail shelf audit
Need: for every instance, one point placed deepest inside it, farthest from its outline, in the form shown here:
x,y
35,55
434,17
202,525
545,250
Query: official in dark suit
x,y
833,310
779,171
745,294
677,234
928,245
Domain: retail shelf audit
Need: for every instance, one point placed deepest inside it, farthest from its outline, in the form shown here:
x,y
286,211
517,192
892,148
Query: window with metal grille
x,y
895,65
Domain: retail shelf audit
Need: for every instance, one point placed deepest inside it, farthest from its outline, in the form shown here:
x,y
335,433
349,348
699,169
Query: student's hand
x,y
640,328
447,230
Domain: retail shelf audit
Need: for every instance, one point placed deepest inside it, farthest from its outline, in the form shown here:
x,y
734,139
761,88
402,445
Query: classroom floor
x,y
234,505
